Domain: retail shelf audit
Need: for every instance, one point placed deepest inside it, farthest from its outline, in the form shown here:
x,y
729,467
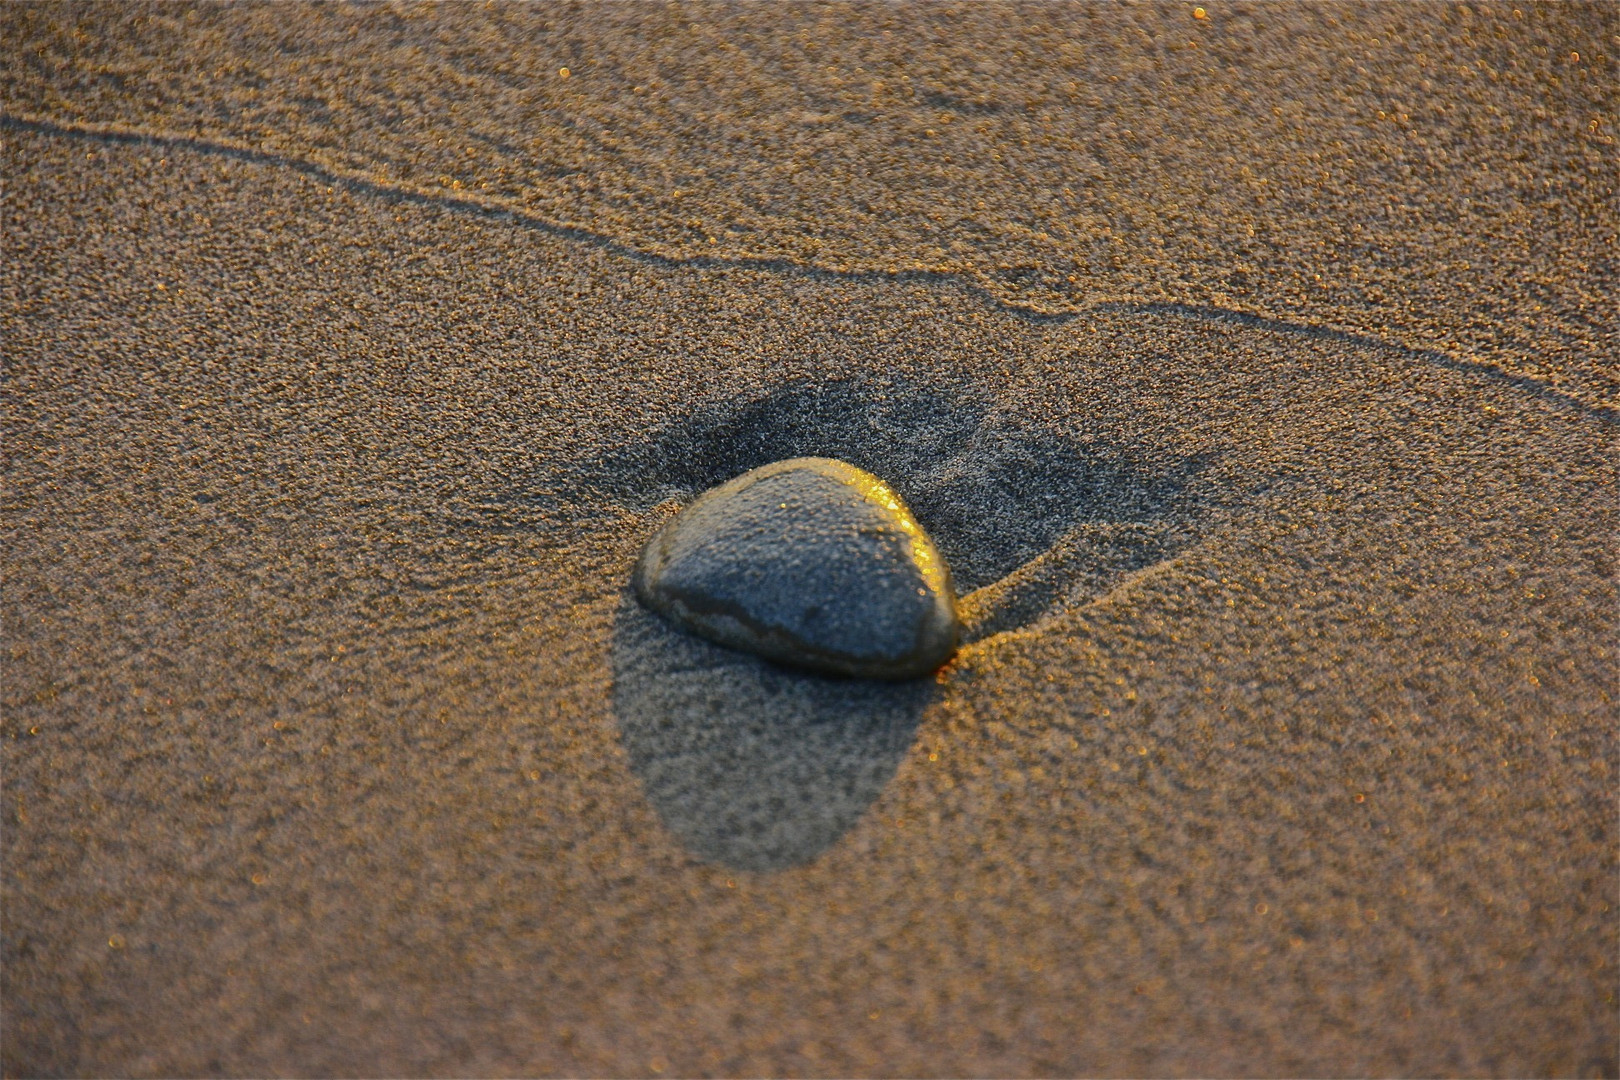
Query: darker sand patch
x,y
753,766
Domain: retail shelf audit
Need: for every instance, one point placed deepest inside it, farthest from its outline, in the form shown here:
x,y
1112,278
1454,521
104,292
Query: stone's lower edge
x,y
779,647
782,647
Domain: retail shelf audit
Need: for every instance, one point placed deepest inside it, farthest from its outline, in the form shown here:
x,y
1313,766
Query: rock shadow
x,y
753,766
1036,509
758,767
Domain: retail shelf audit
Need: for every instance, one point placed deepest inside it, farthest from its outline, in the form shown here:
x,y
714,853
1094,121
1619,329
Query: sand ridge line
x,y
983,609
1328,332
496,210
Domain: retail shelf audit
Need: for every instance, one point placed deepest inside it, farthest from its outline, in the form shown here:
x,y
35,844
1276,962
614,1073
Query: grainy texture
x,y
334,743
1442,176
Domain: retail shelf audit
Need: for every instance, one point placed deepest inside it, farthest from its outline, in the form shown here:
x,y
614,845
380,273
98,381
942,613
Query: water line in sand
x,y
361,182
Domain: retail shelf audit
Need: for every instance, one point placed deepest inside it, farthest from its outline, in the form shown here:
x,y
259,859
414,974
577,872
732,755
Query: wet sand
x,y
350,358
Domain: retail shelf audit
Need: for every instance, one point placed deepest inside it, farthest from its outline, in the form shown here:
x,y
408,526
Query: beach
x,y
1252,370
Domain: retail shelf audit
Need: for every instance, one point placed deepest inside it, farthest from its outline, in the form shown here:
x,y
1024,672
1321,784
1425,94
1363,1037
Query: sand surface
x,y
351,355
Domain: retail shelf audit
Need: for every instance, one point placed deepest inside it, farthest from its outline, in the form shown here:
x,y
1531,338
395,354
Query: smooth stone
x,y
809,562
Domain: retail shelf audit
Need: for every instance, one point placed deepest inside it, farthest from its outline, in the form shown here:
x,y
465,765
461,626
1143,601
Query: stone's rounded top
x,y
810,562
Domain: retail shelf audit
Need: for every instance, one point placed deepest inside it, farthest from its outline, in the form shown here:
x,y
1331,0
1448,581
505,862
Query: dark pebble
x,y
810,562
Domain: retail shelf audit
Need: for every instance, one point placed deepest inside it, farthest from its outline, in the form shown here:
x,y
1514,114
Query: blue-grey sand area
x,y
1252,367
